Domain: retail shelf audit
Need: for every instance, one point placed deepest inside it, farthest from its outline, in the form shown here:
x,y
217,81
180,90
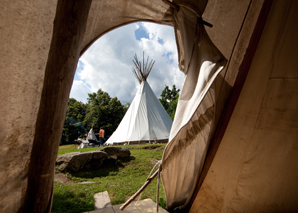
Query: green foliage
x,y
103,111
73,127
100,111
169,100
126,106
76,109
121,183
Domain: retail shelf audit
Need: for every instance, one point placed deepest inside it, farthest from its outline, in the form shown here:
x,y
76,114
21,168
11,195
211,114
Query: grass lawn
x,y
121,183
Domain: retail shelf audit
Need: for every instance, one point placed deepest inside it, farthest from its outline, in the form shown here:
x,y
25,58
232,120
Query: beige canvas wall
x,y
26,34
255,168
26,31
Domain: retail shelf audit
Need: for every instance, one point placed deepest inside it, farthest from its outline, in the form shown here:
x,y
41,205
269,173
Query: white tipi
x,y
146,120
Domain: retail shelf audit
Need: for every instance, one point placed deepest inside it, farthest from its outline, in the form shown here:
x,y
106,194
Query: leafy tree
x,y
76,109
100,111
103,111
73,127
169,100
126,106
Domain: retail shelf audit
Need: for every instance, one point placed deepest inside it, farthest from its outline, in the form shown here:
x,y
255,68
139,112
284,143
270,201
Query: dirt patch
x,y
62,178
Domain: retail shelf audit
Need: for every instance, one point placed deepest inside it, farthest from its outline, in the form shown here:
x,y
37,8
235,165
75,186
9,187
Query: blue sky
x,y
108,62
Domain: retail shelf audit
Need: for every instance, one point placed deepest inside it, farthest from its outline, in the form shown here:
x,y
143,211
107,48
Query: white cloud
x,y
79,91
108,62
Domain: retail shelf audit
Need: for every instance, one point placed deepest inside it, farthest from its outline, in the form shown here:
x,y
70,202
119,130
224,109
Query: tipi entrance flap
x,y
201,62
255,167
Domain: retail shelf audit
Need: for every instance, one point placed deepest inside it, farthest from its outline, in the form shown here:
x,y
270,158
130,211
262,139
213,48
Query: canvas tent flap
x,y
145,120
201,62
255,167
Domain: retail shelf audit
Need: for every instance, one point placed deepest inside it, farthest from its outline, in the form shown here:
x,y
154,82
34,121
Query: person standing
x,y
101,136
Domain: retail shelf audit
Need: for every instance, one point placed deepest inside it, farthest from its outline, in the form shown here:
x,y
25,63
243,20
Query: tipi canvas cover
x,y
91,136
145,120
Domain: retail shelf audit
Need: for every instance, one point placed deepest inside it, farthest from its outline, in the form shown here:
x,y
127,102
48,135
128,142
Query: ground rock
x,y
77,161
119,152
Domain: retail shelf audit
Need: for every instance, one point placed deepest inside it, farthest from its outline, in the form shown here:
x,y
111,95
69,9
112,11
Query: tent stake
x,y
132,198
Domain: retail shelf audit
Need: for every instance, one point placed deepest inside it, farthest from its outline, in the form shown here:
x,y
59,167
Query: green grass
x,y
121,183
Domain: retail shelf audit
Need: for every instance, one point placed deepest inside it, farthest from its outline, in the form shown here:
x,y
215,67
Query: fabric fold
x,y
189,138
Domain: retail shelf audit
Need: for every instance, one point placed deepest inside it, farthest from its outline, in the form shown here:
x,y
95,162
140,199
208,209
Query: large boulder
x,y
119,152
77,161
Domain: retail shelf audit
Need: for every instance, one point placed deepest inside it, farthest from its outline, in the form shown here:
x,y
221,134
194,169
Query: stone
x,y
119,152
142,206
77,161
102,200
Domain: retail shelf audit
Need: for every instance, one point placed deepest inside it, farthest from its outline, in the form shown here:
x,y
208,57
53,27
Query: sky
x,y
107,64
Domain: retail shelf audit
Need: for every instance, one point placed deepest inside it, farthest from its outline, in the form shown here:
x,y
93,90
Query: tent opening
x,y
106,67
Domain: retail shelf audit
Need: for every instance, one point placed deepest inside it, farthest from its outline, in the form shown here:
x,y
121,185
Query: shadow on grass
x,y
70,202
108,168
124,160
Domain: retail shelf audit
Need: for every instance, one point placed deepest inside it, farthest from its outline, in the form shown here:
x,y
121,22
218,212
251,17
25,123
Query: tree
x,y
76,109
100,111
103,111
73,127
126,106
169,100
